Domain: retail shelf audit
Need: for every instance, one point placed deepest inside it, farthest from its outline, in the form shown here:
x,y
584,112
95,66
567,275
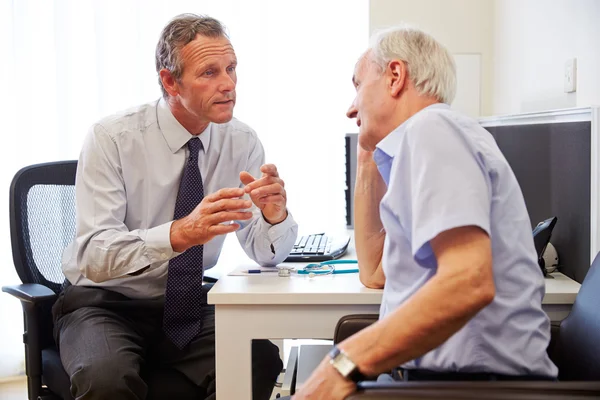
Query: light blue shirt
x,y
444,171
128,176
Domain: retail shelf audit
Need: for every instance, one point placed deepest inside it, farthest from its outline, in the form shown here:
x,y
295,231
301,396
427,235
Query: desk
x,y
271,307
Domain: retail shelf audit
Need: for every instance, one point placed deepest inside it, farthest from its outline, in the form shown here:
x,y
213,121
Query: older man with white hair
x,y
441,225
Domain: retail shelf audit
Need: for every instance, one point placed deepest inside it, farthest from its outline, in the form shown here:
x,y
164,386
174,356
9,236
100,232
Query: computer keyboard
x,y
318,247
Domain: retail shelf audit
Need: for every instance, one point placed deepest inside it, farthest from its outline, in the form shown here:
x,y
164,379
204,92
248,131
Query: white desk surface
x,y
560,289
337,289
328,289
296,289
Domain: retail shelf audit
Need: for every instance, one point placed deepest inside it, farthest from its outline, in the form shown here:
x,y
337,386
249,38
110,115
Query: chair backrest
x,y
348,325
579,337
42,221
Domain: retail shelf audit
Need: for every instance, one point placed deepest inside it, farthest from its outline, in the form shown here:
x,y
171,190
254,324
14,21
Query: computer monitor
x,y
351,142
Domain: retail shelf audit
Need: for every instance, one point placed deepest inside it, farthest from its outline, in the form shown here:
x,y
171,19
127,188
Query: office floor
x,y
13,389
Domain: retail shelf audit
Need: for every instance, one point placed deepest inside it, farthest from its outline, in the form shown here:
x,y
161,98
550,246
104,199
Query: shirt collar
x,y
388,146
174,133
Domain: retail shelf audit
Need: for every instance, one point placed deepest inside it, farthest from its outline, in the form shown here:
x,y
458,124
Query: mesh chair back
x,y
42,221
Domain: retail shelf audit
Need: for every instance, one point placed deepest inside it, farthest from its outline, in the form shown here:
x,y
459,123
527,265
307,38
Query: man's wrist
x,y
276,221
179,242
345,366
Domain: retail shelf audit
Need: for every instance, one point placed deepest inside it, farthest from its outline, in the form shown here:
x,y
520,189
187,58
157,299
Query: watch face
x,y
343,364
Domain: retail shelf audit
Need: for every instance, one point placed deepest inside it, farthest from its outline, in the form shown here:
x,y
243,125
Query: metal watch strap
x,y
354,375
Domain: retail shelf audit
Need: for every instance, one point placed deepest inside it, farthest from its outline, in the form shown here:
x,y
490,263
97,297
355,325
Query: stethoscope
x,y
321,268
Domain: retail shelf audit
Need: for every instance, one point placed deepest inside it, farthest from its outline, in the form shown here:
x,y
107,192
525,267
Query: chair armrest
x,y
33,298
348,325
30,292
490,390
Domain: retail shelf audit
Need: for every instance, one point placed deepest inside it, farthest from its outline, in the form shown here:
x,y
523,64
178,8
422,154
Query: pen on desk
x,y
261,271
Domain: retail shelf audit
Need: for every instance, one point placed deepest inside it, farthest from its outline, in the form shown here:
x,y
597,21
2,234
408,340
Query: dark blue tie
x,y
183,298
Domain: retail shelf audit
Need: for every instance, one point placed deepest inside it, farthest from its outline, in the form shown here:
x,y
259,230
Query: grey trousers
x,y
106,341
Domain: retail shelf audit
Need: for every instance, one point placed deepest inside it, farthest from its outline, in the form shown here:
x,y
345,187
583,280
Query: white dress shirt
x,y
127,181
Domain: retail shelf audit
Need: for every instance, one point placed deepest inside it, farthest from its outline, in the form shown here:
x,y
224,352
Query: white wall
x,y
532,41
463,26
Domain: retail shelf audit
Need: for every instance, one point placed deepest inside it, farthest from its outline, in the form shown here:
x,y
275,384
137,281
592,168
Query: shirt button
x,y
164,256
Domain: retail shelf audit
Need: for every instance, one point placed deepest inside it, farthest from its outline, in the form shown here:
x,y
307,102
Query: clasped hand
x,y
215,212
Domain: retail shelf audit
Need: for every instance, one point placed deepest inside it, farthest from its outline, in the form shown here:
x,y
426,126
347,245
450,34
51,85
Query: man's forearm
x,y
420,325
112,253
368,229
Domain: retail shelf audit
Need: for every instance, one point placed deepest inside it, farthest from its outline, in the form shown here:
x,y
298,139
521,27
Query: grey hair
x,y
176,34
430,66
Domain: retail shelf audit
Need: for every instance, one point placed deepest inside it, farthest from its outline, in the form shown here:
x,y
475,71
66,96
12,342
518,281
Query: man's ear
x,y
169,83
397,77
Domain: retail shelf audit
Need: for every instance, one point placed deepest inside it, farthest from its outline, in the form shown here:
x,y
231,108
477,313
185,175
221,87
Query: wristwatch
x,y
345,366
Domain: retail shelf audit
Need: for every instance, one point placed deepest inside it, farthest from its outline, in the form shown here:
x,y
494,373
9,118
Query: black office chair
x,y
42,223
577,343
493,390
574,348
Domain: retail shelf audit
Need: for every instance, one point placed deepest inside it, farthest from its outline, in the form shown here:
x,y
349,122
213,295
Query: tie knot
x,y
194,145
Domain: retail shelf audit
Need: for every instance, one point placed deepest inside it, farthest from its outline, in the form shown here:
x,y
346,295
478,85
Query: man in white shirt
x,y
157,189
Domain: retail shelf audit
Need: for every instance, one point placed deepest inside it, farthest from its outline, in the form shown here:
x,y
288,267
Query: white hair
x,y
430,66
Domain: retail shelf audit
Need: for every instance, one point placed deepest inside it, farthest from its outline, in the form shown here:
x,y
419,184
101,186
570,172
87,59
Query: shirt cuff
x,y
274,232
158,243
